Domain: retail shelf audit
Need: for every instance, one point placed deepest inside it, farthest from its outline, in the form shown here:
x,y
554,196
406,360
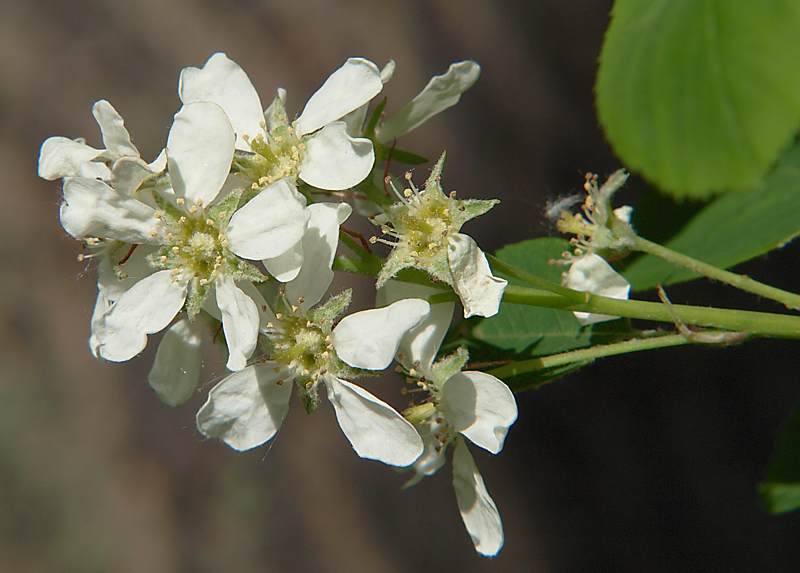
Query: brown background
x,y
644,463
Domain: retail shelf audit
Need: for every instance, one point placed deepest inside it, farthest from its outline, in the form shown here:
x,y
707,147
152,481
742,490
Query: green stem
x,y
742,282
757,323
588,354
531,279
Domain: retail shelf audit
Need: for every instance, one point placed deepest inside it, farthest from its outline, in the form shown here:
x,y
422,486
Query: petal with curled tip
x,y
176,368
247,408
370,338
478,510
480,291
334,160
240,322
93,209
440,93
346,89
479,406
200,149
223,82
145,308
374,429
116,138
63,157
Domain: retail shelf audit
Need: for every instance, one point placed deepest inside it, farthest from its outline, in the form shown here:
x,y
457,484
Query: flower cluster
x,y
229,237
600,233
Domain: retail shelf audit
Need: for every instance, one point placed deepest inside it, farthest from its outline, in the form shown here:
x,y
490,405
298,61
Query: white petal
x,y
591,273
374,429
476,506
102,304
111,286
240,322
355,120
334,160
479,406
286,267
480,292
158,164
422,342
370,338
346,89
200,150
224,83
319,248
247,408
176,369
62,157
441,93
116,138
387,71
135,268
93,209
433,454
147,307
128,174
269,224
264,311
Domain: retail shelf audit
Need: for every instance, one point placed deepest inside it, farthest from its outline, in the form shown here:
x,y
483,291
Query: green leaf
x,y
729,230
700,95
533,380
517,327
780,492
382,152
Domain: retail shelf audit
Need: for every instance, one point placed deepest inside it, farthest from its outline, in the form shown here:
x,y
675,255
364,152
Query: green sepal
x,y
171,212
448,366
242,270
222,212
467,209
326,313
276,113
310,397
196,297
374,117
434,179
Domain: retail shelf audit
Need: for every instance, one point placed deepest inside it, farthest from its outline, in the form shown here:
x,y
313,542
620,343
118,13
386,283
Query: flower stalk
x,y
742,282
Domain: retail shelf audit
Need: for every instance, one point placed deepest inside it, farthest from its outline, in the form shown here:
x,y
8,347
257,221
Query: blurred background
x,y
640,463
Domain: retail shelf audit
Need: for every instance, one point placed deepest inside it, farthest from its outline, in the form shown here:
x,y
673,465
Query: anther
x,y
180,201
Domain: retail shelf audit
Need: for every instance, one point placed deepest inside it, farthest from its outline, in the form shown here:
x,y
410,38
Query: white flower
x,y
119,163
461,406
199,236
247,408
315,147
424,233
305,350
591,273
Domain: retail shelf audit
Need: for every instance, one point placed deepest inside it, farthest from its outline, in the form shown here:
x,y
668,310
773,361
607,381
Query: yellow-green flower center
x,y
276,156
